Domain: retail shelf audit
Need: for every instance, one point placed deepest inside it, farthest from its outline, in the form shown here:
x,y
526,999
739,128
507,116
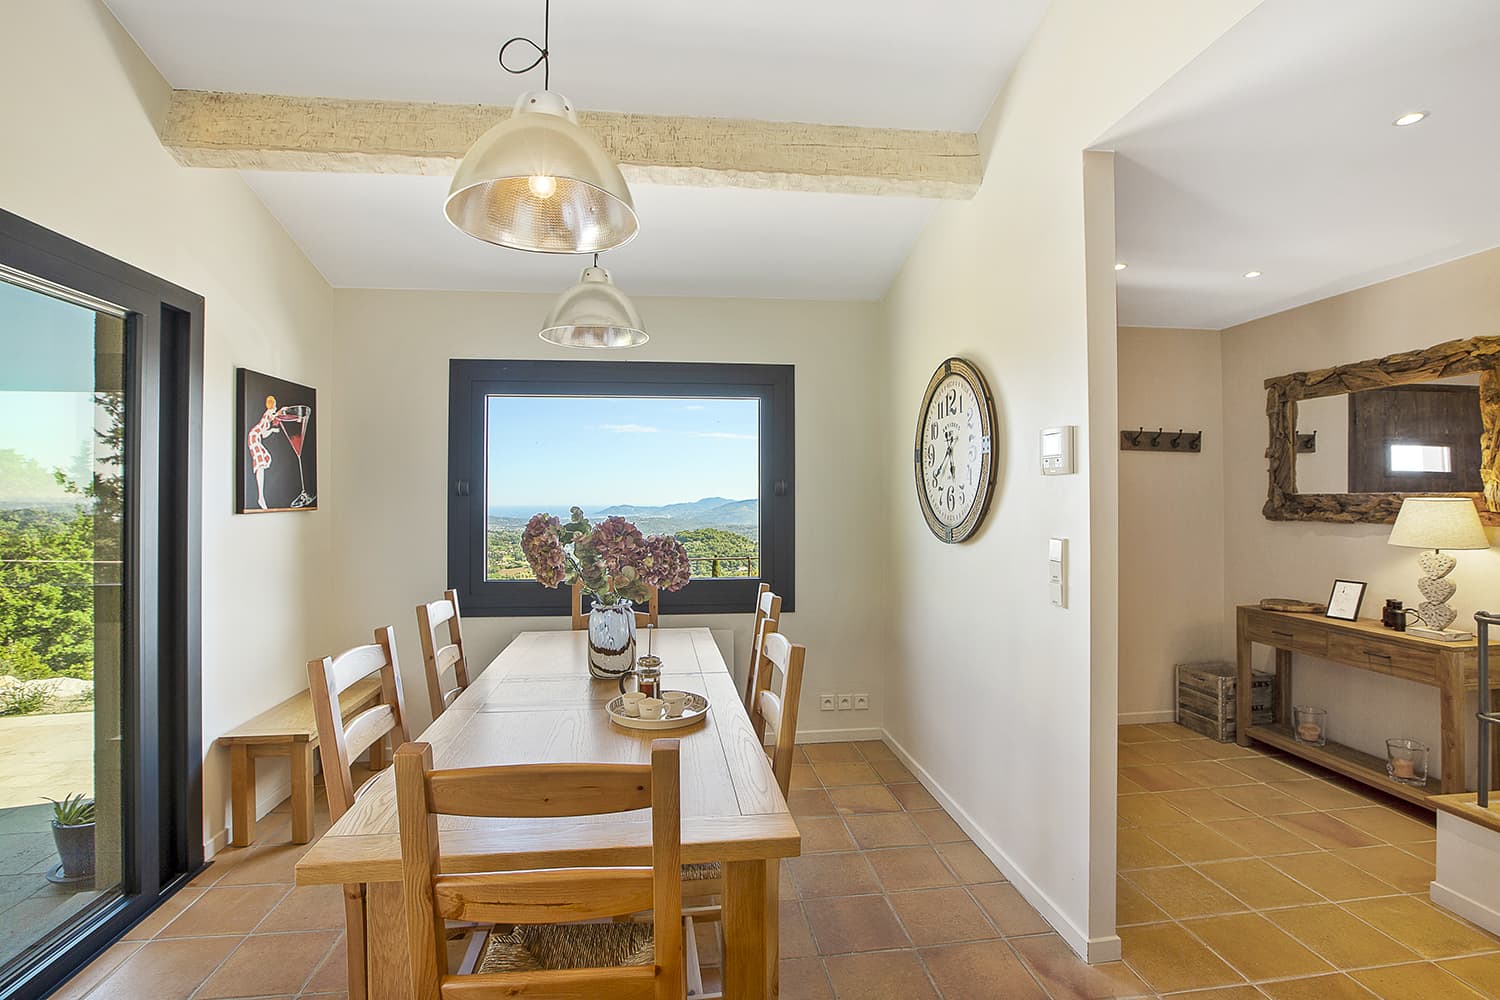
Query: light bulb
x,y
542,186
1121,266
1410,118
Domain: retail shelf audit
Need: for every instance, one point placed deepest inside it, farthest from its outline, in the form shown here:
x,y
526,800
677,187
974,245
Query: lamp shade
x,y
539,181
594,313
1439,523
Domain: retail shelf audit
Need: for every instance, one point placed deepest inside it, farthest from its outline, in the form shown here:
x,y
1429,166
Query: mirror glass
x,y
1422,438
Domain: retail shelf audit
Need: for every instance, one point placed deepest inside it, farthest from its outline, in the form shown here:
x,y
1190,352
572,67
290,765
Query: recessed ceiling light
x,y
1252,274
1121,266
1410,118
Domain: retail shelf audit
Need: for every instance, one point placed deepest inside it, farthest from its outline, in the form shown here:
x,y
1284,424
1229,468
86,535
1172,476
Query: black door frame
x,y
162,694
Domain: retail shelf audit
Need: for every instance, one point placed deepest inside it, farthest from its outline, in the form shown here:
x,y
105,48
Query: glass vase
x,y
611,639
1406,761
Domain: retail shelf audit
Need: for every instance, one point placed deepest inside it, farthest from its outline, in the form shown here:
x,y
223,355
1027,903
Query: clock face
x,y
953,460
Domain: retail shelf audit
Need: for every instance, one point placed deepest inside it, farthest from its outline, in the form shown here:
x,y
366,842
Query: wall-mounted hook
x,y
1177,439
1141,439
1156,438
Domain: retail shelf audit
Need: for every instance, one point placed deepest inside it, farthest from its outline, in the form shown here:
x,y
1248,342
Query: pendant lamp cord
x,y
543,53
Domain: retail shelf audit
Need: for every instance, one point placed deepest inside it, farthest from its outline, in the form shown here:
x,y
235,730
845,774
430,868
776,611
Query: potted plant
x,y
73,832
616,566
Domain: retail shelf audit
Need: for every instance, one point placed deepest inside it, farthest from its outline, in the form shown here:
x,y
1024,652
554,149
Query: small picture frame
x,y
1345,600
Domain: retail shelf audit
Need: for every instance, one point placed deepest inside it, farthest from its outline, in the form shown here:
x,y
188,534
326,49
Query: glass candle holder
x,y
1406,761
1310,725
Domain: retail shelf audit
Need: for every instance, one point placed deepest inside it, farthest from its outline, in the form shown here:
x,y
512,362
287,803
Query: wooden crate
x,y
1206,699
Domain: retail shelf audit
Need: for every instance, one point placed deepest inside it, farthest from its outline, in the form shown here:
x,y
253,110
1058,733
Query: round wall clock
x,y
954,460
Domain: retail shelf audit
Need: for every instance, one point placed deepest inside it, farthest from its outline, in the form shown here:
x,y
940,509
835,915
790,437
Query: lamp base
x,y
1441,634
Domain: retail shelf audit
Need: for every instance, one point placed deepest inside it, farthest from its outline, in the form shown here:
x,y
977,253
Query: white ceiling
x,y
927,66
1273,151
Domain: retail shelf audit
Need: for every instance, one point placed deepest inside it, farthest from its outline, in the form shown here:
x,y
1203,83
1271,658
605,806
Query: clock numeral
x,y
934,433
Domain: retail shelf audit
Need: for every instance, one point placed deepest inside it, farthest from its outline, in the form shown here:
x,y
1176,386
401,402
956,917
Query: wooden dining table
x,y
536,703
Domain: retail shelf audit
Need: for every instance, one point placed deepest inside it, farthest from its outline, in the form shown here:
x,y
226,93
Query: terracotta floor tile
x,y
821,834
795,936
165,970
1068,977
873,750
1389,864
1008,909
1157,778
1266,769
969,863
1258,884
1427,850
833,775
1481,972
275,963
1331,987
1168,958
1256,947
1222,993
1422,927
1203,805
1138,734
864,799
939,827
941,916
854,923
1171,753
1212,774
1323,830
913,797
1321,794
803,776
895,829
1131,756
890,976
1260,837
1387,824
306,908
892,771
845,874
832,753
97,971
981,971
1410,982
1132,906
1135,849
1147,810
809,802
805,979
1330,876
333,974
1340,937
1183,892
1194,842
1263,800
902,868
163,914
1124,786
225,910
274,863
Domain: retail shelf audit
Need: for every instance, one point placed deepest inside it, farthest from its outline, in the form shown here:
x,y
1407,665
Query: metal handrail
x,y
1486,719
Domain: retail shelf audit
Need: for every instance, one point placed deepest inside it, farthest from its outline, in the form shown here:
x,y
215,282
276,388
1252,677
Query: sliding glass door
x,y
99,752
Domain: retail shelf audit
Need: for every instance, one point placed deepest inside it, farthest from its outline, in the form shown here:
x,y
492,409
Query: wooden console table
x,y
1451,667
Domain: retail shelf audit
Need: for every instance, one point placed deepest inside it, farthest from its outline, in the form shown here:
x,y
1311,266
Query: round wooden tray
x,y
1293,605
694,711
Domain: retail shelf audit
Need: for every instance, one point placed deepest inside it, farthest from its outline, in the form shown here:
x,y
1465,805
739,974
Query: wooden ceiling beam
x,y
322,134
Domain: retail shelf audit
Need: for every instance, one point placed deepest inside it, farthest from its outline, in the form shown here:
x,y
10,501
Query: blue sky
x,y
551,452
46,377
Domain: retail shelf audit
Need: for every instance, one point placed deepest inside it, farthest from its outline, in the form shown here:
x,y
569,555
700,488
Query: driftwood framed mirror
x,y
1362,437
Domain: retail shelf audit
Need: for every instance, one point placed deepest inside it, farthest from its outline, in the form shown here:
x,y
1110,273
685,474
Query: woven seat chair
x,y
528,951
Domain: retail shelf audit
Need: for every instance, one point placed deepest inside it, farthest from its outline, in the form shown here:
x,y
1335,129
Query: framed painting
x,y
276,444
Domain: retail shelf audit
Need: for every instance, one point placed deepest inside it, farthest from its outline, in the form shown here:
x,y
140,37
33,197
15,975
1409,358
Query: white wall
x,y
1005,703
1171,516
1301,559
390,514
81,157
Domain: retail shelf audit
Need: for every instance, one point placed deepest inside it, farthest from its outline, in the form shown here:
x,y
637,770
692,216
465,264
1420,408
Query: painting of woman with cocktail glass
x,y
277,448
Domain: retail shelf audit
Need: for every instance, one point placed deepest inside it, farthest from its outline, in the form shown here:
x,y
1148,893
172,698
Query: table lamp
x,y
1438,523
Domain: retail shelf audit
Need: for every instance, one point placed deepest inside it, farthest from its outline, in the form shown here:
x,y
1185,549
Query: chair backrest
x,y
776,704
439,652
340,741
548,896
767,609
643,619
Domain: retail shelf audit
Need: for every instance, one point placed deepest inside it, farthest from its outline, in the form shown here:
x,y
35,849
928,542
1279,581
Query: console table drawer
x,y
1313,641
1383,656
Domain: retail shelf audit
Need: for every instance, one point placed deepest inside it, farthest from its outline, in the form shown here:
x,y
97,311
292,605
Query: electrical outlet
x,y
846,702
861,702
827,702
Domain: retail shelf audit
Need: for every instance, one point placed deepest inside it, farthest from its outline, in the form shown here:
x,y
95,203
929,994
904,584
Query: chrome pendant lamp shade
x,y
594,313
540,182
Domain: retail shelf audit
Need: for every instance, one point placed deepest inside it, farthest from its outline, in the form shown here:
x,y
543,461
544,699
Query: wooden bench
x,y
287,730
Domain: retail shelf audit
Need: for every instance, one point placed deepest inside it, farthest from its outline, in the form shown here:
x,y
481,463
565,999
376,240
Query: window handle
x,y
461,488
779,488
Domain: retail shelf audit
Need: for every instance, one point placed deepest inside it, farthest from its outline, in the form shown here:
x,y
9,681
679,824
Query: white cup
x,y
650,708
676,701
631,703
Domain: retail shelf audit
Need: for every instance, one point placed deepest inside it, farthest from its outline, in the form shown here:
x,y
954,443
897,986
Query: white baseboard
x,y
1092,950
839,735
1470,909
1145,718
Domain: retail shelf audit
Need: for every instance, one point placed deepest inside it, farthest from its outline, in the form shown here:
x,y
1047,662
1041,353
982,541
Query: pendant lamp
x,y
594,313
539,181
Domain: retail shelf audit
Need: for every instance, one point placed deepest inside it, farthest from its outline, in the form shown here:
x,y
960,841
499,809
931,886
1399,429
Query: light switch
x,y
1057,569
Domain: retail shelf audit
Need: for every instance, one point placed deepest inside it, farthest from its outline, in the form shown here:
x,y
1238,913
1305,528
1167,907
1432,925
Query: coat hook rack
x,y
1307,443
1161,439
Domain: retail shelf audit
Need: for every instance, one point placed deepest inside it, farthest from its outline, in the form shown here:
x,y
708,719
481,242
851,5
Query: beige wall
x,y
81,157
390,514
1005,703
1454,300
1171,516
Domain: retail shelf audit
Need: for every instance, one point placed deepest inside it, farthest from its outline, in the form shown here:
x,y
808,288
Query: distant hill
x,y
710,512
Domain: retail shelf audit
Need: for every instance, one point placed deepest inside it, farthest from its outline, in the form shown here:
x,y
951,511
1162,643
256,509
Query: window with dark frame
x,y
697,450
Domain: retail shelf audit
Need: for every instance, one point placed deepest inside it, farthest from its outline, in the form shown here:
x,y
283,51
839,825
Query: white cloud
x,y
628,429
694,406
726,435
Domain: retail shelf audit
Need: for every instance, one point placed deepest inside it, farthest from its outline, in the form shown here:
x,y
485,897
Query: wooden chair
x,y
643,619
767,609
439,656
542,956
340,742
